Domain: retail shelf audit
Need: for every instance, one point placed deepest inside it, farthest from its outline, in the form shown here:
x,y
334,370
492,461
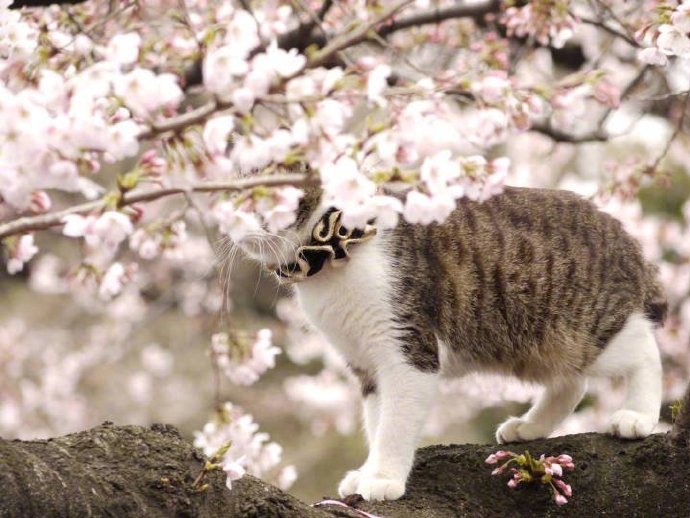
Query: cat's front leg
x,y
370,417
405,394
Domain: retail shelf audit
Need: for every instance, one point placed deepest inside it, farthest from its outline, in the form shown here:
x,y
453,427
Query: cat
x,y
533,283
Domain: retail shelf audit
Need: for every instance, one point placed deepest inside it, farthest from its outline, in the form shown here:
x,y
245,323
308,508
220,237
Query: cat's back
x,y
527,274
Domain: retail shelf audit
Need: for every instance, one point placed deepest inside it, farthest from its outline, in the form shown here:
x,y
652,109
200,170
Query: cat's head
x,y
272,249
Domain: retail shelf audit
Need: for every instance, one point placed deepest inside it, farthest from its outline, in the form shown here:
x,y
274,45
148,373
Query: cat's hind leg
x,y
633,353
556,403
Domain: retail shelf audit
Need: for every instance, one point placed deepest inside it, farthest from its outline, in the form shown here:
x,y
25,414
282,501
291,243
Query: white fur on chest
x,y
350,303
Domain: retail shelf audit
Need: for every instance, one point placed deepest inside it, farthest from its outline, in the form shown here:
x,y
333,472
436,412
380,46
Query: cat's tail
x,y
655,303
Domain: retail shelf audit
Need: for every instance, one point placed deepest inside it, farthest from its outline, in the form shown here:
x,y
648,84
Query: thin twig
x,y
611,30
677,131
355,36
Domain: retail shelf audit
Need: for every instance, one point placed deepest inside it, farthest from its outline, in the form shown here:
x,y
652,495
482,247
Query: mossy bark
x,y
135,471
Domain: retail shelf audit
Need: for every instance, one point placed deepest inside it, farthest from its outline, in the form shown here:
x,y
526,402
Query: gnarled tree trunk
x,y
135,471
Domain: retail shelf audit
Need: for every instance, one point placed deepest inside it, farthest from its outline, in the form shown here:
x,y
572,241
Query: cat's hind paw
x,y
628,424
517,429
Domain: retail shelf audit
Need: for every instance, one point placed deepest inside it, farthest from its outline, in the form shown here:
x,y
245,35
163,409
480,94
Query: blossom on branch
x,y
22,252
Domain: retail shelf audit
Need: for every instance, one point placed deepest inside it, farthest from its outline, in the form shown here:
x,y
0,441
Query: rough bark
x,y
680,434
134,471
126,471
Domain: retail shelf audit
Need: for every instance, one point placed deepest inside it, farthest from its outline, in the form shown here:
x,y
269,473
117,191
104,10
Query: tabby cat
x,y
533,283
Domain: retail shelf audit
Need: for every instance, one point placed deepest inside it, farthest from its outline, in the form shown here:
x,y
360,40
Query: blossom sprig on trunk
x,y
545,470
233,443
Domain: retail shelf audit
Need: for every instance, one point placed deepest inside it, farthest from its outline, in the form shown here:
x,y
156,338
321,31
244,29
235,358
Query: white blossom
x,y
22,253
377,83
123,48
235,222
652,56
672,41
144,92
112,282
216,133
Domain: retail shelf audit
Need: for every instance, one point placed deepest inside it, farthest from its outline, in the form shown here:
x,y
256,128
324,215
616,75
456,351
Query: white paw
x,y
379,487
516,429
629,424
348,485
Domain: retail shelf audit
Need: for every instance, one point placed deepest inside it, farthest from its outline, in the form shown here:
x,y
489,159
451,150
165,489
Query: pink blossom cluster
x,y
548,21
504,106
262,210
242,361
42,370
151,242
21,251
545,470
243,448
667,36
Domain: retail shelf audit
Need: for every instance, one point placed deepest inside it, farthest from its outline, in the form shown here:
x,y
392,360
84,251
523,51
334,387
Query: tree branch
x,y
42,3
611,30
194,116
557,135
132,471
437,15
53,219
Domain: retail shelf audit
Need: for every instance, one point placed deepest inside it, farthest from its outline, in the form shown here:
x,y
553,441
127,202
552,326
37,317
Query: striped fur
x,y
532,282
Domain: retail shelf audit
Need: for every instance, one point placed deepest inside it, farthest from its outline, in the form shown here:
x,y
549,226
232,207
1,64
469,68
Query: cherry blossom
x,y
377,83
233,438
278,209
235,221
681,17
526,469
216,133
672,41
21,253
243,363
652,56
425,209
123,48
144,92
113,281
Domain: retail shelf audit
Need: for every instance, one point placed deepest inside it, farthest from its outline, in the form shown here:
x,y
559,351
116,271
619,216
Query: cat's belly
x,y
455,364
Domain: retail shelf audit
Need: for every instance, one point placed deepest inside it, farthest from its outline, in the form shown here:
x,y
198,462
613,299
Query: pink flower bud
x,y
40,202
499,470
560,499
513,483
565,488
491,459
137,213
148,156
555,469
564,458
